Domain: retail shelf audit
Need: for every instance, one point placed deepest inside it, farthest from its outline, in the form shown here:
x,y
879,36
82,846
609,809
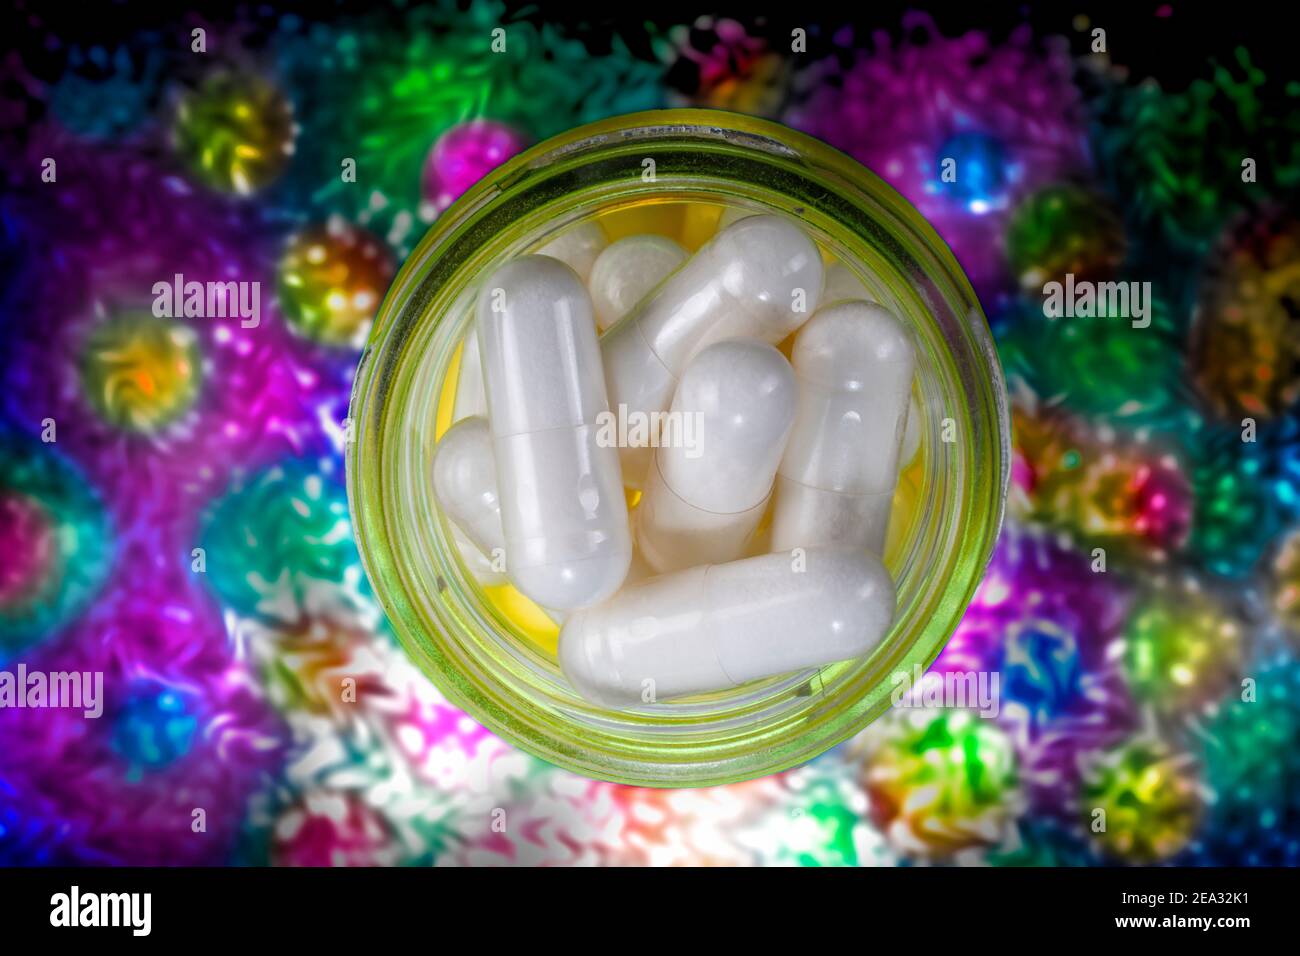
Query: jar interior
x,y
690,223
523,630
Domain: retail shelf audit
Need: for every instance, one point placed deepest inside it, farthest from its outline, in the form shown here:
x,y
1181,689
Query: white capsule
x,y
562,507
758,278
577,248
835,486
707,492
627,270
843,283
465,483
719,626
471,400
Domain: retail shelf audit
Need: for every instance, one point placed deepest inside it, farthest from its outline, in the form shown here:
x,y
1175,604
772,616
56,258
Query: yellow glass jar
x,y
672,172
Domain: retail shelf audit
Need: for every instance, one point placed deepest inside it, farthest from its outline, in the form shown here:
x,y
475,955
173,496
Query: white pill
x,y
854,363
563,512
708,490
465,483
758,278
577,248
627,270
719,626
843,283
470,397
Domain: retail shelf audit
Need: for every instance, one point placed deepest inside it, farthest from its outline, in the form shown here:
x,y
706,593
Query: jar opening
x,y
490,649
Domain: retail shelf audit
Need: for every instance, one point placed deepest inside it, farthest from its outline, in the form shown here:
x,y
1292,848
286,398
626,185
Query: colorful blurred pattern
x,y
172,508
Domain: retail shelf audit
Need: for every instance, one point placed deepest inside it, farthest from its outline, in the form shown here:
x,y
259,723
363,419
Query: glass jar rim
x,y
411,305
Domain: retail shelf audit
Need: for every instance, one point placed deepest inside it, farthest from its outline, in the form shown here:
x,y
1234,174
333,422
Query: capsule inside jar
x,y
683,342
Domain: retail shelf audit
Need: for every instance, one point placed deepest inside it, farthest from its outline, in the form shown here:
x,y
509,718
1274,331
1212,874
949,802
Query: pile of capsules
x,y
688,595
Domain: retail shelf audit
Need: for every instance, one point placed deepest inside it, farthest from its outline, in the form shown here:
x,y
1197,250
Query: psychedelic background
x,y
1123,690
